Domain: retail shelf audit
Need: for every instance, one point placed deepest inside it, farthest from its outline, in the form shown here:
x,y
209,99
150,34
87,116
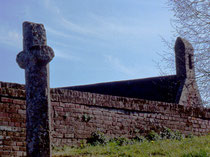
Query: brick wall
x,y
118,116
75,115
12,120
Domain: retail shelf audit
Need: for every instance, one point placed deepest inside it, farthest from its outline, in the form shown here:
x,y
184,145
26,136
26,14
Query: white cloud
x,y
69,25
62,34
65,55
117,65
49,4
106,28
11,38
103,27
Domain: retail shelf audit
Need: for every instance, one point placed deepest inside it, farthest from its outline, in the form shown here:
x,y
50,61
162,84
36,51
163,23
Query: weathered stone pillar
x,y
185,72
34,59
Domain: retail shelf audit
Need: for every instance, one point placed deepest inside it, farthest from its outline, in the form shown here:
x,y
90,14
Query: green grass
x,y
187,147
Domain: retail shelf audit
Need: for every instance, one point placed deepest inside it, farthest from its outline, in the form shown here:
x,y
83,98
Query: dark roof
x,y
164,88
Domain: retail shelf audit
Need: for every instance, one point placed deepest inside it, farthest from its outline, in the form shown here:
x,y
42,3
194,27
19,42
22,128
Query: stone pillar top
x,y
184,54
35,49
33,34
183,45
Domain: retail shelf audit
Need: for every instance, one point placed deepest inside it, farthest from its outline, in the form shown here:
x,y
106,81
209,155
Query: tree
x,y
192,22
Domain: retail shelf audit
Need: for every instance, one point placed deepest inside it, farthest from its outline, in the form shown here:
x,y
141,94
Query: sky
x,y
93,40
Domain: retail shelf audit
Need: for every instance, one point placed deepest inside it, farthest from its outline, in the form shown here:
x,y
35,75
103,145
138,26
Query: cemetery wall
x,y
75,115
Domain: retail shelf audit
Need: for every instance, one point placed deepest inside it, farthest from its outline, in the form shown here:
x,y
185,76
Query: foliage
x,y
83,143
189,136
167,133
97,138
121,141
86,118
152,136
201,153
139,139
187,147
178,135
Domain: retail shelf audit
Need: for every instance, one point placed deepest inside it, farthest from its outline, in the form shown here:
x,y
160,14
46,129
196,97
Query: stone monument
x,y
34,59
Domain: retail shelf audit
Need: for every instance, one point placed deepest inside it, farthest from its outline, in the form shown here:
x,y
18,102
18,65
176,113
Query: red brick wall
x,y
115,116
12,120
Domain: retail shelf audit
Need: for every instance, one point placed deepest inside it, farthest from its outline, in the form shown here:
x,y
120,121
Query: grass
x,y
187,147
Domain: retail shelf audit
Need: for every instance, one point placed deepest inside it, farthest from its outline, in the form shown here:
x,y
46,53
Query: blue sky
x,y
93,40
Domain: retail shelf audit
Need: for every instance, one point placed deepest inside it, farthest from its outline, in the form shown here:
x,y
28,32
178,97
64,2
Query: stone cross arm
x,y
35,49
40,55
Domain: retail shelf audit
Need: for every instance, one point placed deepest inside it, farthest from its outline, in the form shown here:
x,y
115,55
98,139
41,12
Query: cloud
x,y
65,55
98,27
106,28
49,4
79,28
11,38
63,34
117,65
126,26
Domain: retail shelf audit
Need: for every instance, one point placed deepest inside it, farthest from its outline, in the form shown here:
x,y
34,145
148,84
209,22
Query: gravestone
x,y
34,59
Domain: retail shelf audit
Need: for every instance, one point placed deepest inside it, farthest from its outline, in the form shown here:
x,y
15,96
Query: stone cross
x,y
34,59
